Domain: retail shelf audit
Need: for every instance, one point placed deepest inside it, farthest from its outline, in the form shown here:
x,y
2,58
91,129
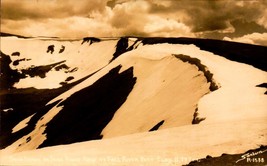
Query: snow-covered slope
x,y
174,146
77,60
104,88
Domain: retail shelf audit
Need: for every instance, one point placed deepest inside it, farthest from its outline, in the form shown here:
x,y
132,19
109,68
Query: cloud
x,y
208,19
63,18
254,38
42,9
130,18
263,19
78,27
157,26
212,16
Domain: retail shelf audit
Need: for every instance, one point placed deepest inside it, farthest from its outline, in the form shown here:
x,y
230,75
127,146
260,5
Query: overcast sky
x,y
244,21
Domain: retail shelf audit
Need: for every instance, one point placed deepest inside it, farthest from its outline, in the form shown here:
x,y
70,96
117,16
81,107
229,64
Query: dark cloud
x,y
241,27
205,16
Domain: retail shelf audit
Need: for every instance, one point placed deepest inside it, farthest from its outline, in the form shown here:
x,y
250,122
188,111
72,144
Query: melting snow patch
x,y
22,124
8,109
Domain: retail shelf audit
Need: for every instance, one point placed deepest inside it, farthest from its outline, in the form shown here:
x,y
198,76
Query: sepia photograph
x,y
133,83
